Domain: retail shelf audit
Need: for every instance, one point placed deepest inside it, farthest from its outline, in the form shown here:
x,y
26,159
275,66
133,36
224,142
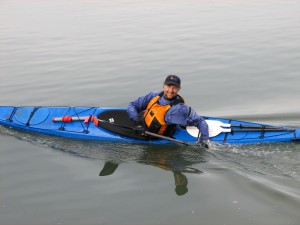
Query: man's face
x,y
170,91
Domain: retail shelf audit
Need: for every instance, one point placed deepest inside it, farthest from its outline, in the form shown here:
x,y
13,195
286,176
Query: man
x,y
161,112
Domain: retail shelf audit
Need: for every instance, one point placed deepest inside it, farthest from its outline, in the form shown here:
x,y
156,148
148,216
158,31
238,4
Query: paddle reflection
x,y
178,161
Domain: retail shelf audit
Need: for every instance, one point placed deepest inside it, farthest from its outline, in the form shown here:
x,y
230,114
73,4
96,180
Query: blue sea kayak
x,y
113,124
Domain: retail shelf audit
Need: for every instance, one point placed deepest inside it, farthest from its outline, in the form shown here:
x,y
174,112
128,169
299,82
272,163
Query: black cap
x,y
173,80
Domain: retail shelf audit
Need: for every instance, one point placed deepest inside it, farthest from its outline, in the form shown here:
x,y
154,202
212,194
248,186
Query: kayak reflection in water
x,y
161,112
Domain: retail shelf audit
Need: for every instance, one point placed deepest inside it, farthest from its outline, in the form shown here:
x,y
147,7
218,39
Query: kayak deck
x,y
116,126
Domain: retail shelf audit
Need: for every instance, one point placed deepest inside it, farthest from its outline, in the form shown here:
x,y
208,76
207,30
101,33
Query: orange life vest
x,y
154,116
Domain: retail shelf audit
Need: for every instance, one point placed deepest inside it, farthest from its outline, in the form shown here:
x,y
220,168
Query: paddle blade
x,y
216,123
214,128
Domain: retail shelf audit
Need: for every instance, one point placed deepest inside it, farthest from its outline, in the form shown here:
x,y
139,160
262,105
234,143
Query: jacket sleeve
x,y
184,115
199,122
139,105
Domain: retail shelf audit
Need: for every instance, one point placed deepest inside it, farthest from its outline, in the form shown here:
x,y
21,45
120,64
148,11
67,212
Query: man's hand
x,y
139,128
204,143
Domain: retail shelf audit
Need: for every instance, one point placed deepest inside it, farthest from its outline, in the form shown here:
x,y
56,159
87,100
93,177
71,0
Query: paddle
x,y
147,133
220,124
213,130
167,138
215,127
68,119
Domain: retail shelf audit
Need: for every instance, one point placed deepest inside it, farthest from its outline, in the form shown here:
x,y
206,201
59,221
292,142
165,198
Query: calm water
x,y
237,59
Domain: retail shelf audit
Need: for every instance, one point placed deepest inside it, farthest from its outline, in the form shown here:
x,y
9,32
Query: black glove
x,y
203,143
139,128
